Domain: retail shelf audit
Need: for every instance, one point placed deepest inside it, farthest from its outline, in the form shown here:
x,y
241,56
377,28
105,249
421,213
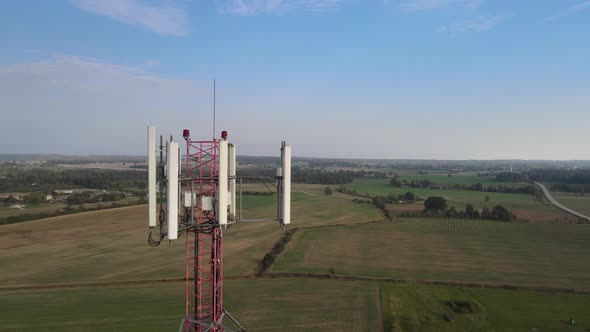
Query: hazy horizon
x,y
407,79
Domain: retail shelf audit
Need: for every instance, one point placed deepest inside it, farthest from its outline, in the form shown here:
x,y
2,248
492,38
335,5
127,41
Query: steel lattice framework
x,y
204,240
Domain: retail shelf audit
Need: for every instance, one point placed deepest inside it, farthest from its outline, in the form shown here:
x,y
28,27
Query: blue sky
x,y
443,79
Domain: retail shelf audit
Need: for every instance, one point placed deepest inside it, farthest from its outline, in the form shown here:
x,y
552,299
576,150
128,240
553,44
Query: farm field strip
x,y
411,307
577,203
111,245
544,255
261,305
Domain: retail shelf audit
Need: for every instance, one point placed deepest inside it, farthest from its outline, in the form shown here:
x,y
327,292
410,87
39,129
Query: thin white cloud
x,y
255,7
426,5
163,18
568,11
477,24
76,103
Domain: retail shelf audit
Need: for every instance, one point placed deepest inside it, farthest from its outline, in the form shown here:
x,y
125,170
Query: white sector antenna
x,y
222,192
232,180
286,184
172,192
152,176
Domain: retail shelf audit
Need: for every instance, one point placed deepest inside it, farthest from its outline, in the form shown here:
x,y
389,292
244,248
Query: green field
x,y
311,207
411,307
295,304
577,203
261,305
519,253
456,198
110,246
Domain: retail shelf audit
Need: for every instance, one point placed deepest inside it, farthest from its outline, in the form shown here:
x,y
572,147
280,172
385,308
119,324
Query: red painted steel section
x,y
204,241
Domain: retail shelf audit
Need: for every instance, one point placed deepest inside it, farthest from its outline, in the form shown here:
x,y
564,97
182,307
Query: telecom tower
x,y
200,193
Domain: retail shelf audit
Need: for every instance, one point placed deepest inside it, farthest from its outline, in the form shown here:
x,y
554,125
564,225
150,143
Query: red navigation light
x,y
186,133
224,134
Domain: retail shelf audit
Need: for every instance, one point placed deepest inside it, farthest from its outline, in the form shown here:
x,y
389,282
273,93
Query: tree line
x,y
319,176
397,182
66,210
26,180
436,205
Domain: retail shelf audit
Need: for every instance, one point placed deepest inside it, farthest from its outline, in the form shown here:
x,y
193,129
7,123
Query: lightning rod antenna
x,y
213,107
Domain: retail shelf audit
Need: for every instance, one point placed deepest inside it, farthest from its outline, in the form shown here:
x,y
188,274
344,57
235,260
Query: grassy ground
x,y
311,207
6,211
111,245
549,255
456,198
38,208
411,307
574,202
260,305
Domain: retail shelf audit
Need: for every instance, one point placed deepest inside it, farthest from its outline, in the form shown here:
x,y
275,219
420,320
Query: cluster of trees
x,y
511,177
397,182
425,183
271,256
568,176
87,197
310,175
30,198
25,180
436,205
258,193
380,201
10,200
581,189
527,190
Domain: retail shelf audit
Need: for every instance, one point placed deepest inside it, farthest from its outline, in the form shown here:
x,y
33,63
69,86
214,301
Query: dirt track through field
x,y
310,276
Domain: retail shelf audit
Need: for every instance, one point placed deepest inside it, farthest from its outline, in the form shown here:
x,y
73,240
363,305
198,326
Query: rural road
x,y
559,205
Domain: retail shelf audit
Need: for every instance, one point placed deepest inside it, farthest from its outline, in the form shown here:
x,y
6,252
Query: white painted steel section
x,y
222,191
152,218
232,180
286,169
172,192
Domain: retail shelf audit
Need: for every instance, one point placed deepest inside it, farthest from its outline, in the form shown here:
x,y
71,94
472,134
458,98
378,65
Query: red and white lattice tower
x,y
204,241
200,195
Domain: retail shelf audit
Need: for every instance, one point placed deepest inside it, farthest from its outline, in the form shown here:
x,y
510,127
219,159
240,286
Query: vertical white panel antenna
x,y
172,192
152,176
286,184
222,192
232,180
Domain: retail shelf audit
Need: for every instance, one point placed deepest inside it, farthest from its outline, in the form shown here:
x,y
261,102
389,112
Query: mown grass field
x,y
260,305
456,198
295,304
519,253
311,207
112,245
411,307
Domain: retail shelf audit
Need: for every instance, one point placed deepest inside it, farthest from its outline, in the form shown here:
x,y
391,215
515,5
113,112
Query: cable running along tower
x,y
200,190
